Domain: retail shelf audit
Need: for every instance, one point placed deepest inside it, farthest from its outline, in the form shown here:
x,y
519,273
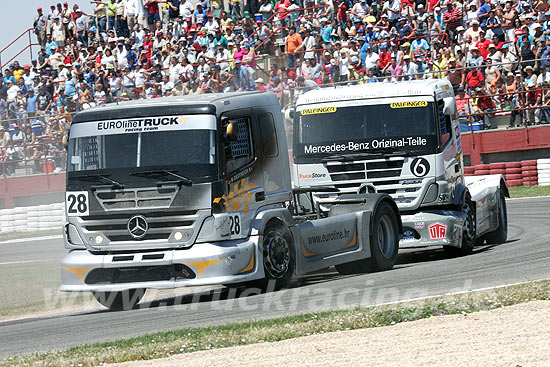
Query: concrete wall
x,y
32,218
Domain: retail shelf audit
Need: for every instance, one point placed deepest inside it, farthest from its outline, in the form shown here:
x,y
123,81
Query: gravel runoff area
x,y
514,336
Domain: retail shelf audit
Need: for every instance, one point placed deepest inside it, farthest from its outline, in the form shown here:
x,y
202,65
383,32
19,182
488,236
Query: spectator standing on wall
x,y
39,25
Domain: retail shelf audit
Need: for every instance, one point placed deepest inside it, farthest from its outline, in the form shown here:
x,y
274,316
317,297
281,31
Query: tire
x,y
532,162
513,176
514,183
469,237
479,172
530,173
543,161
123,300
512,164
513,170
384,244
481,166
496,166
497,171
279,258
500,234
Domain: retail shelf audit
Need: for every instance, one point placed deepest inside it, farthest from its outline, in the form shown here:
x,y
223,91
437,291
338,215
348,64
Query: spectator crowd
x,y
495,54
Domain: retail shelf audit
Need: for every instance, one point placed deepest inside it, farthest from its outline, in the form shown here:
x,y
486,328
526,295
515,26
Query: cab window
x,y
444,124
269,137
239,153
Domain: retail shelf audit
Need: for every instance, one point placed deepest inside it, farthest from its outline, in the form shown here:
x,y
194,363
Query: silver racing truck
x,y
196,190
401,139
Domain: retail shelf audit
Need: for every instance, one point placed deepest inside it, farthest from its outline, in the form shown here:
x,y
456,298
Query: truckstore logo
x,y
437,231
137,226
239,196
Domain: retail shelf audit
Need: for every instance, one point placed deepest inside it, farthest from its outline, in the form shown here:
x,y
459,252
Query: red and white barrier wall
x,y
524,173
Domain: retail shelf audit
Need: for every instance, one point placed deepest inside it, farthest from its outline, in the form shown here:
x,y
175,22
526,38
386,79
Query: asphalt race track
x,y
526,256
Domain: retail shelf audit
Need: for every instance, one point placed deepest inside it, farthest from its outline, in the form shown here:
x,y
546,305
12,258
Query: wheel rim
x,y
276,255
470,225
386,237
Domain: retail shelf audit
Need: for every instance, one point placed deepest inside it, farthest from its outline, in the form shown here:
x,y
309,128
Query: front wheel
x,y
384,244
469,230
500,234
123,300
279,258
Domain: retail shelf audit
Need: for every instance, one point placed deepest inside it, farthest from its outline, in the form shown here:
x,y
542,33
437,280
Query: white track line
x,y
31,239
24,262
456,293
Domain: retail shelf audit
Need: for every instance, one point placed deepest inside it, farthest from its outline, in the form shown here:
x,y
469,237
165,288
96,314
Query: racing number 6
x,y
77,203
420,167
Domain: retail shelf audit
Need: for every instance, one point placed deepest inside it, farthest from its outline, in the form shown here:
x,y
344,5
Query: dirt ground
x,y
515,336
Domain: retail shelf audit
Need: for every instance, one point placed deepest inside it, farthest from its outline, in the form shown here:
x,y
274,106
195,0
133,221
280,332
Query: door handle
x,y
260,196
457,168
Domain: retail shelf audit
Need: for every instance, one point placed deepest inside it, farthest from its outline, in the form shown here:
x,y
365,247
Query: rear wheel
x,y
384,244
123,300
469,231
500,234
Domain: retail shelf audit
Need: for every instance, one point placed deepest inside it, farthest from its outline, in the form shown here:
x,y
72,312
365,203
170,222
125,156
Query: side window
x,y
269,137
444,124
240,152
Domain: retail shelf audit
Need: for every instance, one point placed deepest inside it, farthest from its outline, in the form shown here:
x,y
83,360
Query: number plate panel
x,y
77,203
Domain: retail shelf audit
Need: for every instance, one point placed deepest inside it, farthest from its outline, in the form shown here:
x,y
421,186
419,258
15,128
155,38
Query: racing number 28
x,y
77,203
235,224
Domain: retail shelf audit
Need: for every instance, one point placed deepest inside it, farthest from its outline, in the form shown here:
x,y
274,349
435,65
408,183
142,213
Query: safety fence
x,y
523,173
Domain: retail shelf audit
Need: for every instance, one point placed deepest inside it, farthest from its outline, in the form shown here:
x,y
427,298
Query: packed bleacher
x,y
495,55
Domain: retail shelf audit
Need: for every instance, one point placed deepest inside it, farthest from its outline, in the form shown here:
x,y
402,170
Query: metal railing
x,y
27,47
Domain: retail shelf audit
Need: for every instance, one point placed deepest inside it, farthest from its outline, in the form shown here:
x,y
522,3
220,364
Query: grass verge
x,y
165,344
18,235
528,191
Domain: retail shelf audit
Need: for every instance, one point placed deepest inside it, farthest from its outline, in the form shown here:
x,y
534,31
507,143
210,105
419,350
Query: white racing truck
x,y
401,139
188,191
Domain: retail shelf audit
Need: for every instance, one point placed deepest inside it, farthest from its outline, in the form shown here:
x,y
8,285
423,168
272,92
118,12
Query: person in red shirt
x,y
152,8
384,56
281,6
486,107
534,100
342,15
473,80
483,45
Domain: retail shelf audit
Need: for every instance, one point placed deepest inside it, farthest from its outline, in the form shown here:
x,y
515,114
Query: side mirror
x,y
232,131
449,106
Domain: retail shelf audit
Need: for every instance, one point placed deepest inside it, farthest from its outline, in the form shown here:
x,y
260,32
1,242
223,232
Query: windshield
x,y
403,127
110,148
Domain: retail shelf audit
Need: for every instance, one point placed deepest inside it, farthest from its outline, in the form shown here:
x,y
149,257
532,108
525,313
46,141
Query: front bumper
x,y
432,228
202,264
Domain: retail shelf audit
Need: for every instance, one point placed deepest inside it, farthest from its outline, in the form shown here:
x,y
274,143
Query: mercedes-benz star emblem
x,y
137,226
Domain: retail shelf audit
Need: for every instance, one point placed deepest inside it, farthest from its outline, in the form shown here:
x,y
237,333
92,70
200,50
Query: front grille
x,y
161,224
383,174
142,198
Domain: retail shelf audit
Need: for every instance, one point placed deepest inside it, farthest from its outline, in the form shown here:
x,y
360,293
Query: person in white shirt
x,y
221,58
174,70
186,9
343,63
211,25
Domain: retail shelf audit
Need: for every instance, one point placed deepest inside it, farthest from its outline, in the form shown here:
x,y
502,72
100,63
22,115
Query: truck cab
x,y
398,138
196,190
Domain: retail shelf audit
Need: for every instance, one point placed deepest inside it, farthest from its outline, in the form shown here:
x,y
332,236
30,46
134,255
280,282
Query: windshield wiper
x,y
113,183
180,179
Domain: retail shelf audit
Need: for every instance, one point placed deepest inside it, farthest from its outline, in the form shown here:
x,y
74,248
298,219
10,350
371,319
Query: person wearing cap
x,y
246,81
419,44
473,31
260,84
483,45
360,10
452,19
404,29
39,25
292,42
58,32
494,54
410,69
473,80
475,60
